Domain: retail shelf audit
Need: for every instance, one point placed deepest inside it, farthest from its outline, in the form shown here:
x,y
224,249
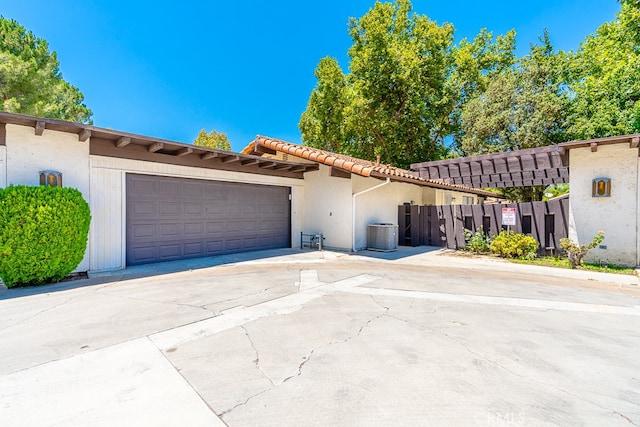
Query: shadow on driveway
x,y
155,269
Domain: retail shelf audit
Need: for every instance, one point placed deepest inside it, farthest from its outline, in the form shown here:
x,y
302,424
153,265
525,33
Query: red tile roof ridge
x,y
352,164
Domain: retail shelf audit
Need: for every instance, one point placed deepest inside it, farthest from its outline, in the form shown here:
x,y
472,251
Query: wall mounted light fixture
x,y
51,178
601,187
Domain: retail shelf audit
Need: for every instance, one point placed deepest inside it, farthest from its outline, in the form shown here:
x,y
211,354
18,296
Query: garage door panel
x,y
143,208
143,184
278,210
215,227
169,208
144,253
233,210
250,226
193,189
250,243
249,211
195,209
144,231
194,249
171,218
214,209
193,230
266,241
170,231
233,244
168,188
170,251
233,227
214,247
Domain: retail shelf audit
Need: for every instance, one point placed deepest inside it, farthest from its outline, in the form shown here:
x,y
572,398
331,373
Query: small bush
x,y
43,233
512,245
576,252
477,242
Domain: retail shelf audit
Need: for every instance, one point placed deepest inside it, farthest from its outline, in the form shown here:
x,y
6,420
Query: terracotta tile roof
x,y
352,164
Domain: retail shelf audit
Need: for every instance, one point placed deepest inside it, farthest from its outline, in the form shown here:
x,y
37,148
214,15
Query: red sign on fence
x,y
508,216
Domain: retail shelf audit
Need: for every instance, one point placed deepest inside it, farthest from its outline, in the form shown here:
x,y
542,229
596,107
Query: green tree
x,y
406,83
476,64
322,124
523,107
604,75
30,78
213,139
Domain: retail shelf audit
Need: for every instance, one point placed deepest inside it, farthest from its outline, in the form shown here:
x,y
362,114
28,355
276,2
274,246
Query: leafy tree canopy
x,y
604,76
524,106
410,88
213,139
30,78
406,83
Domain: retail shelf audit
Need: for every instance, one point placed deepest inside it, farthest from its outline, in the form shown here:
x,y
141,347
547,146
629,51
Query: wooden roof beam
x,y
266,165
283,167
299,169
594,147
250,162
123,141
231,159
155,147
184,151
208,155
635,142
84,135
40,125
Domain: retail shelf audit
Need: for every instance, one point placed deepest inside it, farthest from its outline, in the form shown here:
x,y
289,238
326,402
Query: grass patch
x,y
561,262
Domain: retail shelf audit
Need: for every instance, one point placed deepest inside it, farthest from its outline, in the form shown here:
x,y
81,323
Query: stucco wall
x,y
3,166
328,207
448,197
27,154
380,205
616,215
107,236
428,196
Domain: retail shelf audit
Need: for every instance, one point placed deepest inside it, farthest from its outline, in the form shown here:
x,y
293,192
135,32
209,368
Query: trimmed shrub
x,y
43,233
512,245
477,242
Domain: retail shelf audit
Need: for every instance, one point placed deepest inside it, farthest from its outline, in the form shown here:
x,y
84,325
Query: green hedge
x,y
43,233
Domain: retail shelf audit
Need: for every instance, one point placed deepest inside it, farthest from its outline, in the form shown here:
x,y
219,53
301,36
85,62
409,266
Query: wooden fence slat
x,y
444,225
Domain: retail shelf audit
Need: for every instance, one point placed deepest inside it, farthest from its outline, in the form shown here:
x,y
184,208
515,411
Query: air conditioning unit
x,y
382,237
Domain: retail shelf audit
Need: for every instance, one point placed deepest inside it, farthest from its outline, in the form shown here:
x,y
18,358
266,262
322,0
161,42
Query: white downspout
x,y
353,210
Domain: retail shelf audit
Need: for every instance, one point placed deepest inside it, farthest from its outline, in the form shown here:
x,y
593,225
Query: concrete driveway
x,y
291,338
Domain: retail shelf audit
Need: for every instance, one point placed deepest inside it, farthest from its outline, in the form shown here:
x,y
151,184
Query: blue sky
x,y
168,69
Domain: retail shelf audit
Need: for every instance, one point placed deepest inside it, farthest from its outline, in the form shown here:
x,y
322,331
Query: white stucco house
x,y
154,200
346,194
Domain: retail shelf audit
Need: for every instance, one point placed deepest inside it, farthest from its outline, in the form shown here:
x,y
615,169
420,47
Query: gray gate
x,y
547,222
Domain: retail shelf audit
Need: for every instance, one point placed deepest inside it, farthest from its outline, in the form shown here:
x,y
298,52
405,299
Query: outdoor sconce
x,y
51,178
601,187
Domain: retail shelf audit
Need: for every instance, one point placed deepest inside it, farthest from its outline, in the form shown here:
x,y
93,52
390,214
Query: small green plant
x,y
576,252
477,242
513,245
43,233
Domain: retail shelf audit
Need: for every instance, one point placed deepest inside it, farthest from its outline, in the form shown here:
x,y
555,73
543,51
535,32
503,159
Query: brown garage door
x,y
174,218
